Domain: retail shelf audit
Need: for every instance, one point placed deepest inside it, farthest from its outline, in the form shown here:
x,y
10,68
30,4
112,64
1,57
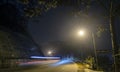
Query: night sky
x,y
51,26
58,23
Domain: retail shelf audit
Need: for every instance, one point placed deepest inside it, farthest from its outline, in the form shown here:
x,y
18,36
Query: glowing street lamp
x,y
49,52
81,33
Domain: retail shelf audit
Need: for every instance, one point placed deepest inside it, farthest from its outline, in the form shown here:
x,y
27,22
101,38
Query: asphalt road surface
x,y
52,66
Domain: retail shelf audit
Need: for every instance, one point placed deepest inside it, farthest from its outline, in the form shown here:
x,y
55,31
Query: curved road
x,y
50,66
53,66
47,68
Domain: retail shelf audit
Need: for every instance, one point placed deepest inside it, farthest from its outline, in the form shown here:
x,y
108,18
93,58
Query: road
x,y
50,66
47,68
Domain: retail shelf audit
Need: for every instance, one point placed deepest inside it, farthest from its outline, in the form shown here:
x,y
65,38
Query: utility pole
x,y
112,36
95,52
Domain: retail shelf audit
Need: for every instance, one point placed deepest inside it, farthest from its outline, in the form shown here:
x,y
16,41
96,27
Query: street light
x,y
49,53
82,33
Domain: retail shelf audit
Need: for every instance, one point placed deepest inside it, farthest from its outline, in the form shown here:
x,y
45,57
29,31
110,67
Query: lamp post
x,y
82,33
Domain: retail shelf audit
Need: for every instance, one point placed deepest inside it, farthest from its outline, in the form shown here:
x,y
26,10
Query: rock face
x,y
15,41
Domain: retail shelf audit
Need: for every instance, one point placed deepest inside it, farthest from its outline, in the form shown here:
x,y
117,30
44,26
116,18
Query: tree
x,y
37,7
90,60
